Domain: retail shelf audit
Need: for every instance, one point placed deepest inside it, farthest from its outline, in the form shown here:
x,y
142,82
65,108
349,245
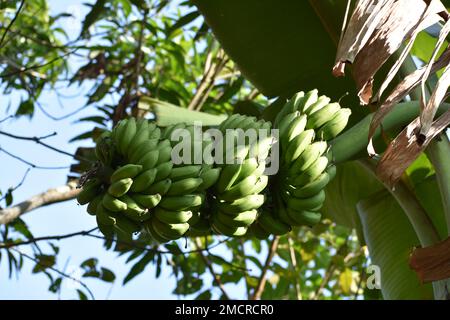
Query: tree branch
x,y
298,290
262,279
11,22
32,165
55,195
209,265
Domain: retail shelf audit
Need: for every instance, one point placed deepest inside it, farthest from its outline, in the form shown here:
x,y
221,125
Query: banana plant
x,y
284,47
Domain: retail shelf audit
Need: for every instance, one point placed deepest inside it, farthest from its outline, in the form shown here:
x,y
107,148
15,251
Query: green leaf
x,y
139,267
92,16
346,280
391,238
205,295
82,136
81,295
25,108
167,114
107,275
43,262
184,20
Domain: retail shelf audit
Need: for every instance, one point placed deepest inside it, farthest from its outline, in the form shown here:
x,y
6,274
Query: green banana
x,y
143,148
333,127
170,231
228,176
105,217
331,170
309,99
322,116
125,228
258,231
308,157
89,191
148,228
260,185
127,136
120,187
209,178
160,187
172,216
184,172
113,204
243,219
93,204
147,201
184,186
225,124
181,203
221,228
311,188
290,106
163,170
308,218
134,211
298,145
149,160
144,180
155,134
239,190
321,102
296,127
126,171
140,137
310,203
253,201
165,154
312,173
272,225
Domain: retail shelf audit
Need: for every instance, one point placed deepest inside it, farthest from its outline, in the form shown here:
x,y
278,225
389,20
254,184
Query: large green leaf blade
x,y
391,238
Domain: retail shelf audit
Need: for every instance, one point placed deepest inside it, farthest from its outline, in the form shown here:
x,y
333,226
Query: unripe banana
x,y
202,227
89,192
228,176
258,231
126,171
260,185
106,230
253,201
331,170
134,211
155,134
225,124
170,231
163,170
296,127
140,137
144,180
167,133
165,154
283,214
93,204
172,217
311,188
181,203
221,228
147,201
149,160
309,99
127,136
243,219
120,187
143,148
209,178
239,190
184,186
298,145
289,107
310,203
125,228
105,217
160,187
308,157
148,228
335,126
272,225
307,218
184,172
321,102
113,204
312,173
322,116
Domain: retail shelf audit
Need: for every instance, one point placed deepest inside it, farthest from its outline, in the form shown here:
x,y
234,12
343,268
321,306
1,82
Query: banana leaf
x,y
390,239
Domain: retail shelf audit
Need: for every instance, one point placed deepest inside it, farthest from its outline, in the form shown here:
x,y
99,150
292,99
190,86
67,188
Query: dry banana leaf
x,y
432,263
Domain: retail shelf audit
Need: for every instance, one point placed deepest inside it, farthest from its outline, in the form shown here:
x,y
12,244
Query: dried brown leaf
x,y
406,148
432,263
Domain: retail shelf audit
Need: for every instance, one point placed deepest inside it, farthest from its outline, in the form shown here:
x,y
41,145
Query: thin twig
x,y
8,245
247,286
298,290
32,165
11,22
55,118
262,279
209,265
7,118
19,184
65,275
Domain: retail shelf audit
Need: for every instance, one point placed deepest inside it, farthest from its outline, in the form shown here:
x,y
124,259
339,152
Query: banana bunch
x,y
305,124
238,191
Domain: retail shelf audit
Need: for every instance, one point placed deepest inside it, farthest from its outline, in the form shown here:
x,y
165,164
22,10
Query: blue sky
x,y
65,217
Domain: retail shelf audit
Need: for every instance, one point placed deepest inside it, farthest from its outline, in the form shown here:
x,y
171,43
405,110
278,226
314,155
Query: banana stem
x,y
351,145
438,152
